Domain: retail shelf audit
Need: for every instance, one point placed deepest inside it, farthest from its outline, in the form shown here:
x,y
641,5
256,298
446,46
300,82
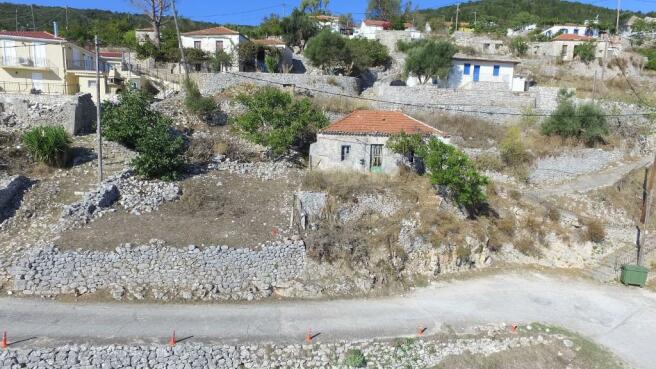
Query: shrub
x,y
160,152
48,144
586,51
463,252
334,53
553,214
197,104
367,53
595,231
519,46
513,152
271,63
355,359
275,119
585,122
527,247
126,121
221,60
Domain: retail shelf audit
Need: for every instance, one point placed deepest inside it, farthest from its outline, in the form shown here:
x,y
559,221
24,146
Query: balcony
x,y
86,65
29,63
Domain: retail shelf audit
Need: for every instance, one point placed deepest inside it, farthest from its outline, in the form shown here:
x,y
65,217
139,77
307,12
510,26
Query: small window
x,y
496,70
486,46
563,31
346,150
576,31
196,44
219,45
91,83
467,68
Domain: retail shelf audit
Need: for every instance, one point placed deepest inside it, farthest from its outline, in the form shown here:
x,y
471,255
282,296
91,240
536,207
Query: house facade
x,y
40,62
215,39
370,27
562,46
491,72
570,29
358,141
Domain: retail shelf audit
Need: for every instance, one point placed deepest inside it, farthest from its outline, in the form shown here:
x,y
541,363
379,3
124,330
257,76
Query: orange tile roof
x,y
214,31
380,123
377,23
32,34
570,37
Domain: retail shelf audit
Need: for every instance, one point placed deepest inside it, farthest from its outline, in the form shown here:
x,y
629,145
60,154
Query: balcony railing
x,y
39,87
26,62
86,65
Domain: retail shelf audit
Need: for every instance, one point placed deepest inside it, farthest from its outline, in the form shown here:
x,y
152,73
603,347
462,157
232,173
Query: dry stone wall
x,y
20,112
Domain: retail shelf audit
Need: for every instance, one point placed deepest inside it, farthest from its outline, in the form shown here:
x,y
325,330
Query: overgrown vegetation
x,y
335,54
48,144
196,103
594,231
132,122
429,59
586,52
519,46
275,119
355,359
585,122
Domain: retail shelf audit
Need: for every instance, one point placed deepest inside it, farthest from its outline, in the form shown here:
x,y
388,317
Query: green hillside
x,y
513,13
110,26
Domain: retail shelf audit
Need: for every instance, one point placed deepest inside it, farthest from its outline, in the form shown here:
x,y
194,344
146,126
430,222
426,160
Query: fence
x,y
161,72
39,88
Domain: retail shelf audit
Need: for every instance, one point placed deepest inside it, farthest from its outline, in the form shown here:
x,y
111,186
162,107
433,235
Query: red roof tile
x,y
377,23
214,31
32,34
570,37
380,123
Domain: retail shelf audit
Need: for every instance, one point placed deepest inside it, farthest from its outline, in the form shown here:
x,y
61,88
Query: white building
x,y
358,142
370,27
144,35
330,22
494,72
570,29
214,39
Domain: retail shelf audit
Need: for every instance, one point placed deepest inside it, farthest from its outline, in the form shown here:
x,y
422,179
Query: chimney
x,y
55,28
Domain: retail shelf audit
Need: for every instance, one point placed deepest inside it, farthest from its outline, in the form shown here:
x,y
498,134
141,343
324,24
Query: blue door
x,y
477,72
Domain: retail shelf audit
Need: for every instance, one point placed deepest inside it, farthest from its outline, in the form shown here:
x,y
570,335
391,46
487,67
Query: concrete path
x,y
622,319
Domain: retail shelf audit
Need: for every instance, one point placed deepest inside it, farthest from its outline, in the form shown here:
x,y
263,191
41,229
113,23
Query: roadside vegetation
x,y
50,145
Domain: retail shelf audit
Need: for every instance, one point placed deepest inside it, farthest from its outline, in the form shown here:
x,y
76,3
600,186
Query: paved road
x,y
623,319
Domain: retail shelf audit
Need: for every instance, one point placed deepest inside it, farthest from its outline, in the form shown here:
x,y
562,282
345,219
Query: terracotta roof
x,y
111,54
570,37
377,23
214,31
379,123
269,41
32,34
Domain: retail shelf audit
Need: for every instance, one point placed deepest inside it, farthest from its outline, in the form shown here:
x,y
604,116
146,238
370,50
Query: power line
x,y
447,107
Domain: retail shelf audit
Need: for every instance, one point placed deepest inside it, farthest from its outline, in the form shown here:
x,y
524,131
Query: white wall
x,y
367,31
457,78
570,30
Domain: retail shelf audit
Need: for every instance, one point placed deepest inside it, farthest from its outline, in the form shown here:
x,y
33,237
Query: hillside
x,y
508,13
110,26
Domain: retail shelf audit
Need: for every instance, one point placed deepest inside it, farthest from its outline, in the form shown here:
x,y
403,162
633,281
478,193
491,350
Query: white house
x,y
214,39
330,22
358,141
570,29
369,27
493,72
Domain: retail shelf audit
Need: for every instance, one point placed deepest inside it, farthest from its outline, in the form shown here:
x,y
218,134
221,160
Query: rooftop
x,y
379,123
111,54
494,58
214,31
384,24
41,35
571,37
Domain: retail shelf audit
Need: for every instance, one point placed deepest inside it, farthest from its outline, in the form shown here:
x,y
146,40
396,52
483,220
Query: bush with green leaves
x,y
126,120
196,103
48,144
519,46
433,59
333,53
355,359
275,119
446,166
221,61
160,152
585,122
513,151
298,28
586,51
271,63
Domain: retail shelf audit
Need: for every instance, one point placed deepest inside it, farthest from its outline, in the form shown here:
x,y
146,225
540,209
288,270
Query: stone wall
x,y
20,112
10,189
212,83
160,272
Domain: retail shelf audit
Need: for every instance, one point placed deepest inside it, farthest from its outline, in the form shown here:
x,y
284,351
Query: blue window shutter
x,y
467,67
496,70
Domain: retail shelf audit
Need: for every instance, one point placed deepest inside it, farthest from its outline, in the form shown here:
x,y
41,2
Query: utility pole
x,y
594,87
98,125
648,188
457,14
16,19
603,67
474,18
33,21
617,21
67,17
177,30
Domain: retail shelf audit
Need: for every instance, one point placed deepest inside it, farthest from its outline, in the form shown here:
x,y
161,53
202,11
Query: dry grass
x,y
594,231
626,194
527,246
339,104
476,133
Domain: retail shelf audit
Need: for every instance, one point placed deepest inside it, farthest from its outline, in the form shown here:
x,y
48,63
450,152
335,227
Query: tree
x,y
328,51
366,53
298,28
586,51
275,119
221,61
271,26
160,152
383,9
432,60
314,6
585,122
519,46
154,10
346,20
126,120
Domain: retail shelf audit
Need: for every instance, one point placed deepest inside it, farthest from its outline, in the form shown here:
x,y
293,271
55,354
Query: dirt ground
x,y
215,209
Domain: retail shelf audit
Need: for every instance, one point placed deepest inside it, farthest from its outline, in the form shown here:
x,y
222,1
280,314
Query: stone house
x,y
215,39
358,141
562,46
44,63
485,72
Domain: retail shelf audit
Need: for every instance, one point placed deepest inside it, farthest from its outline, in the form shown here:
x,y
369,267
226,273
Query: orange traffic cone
x,y
308,336
172,340
3,344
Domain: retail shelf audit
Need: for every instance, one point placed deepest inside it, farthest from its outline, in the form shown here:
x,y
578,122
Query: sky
x,y
252,11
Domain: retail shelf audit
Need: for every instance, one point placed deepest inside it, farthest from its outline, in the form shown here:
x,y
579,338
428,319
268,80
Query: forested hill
x,y
509,13
111,27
